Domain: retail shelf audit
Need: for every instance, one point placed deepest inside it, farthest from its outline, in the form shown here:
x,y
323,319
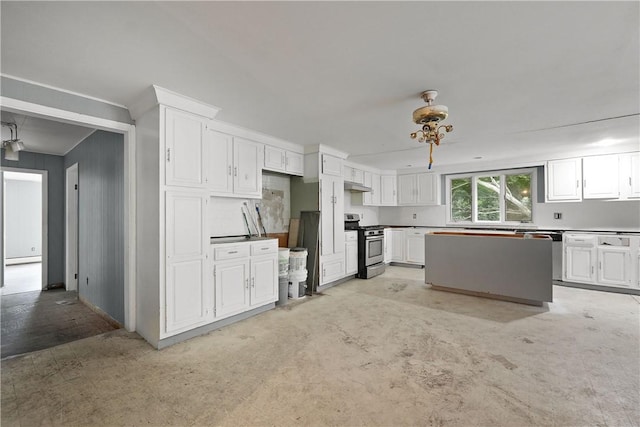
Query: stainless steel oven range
x,y
370,246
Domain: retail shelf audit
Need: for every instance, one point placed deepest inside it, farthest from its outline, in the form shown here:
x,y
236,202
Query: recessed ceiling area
x,y
45,136
521,80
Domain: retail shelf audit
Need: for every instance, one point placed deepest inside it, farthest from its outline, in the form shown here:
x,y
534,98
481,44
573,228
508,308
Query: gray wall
x,y
23,226
100,159
29,92
54,165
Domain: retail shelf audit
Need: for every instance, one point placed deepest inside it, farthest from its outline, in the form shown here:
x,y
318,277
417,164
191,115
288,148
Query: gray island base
x,y
512,267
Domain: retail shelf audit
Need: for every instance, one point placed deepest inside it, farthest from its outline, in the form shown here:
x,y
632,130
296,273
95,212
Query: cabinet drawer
x,y
351,236
613,241
264,247
579,240
230,252
415,232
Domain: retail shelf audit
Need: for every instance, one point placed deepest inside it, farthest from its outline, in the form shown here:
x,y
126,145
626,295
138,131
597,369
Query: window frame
x,y
502,173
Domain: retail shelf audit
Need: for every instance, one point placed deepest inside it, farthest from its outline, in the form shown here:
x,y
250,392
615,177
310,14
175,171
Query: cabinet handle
x,y
253,282
232,252
264,249
246,283
584,183
629,181
286,161
577,183
235,171
229,170
168,154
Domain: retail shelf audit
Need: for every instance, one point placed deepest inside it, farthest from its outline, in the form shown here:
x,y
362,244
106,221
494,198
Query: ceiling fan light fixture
x,y
430,117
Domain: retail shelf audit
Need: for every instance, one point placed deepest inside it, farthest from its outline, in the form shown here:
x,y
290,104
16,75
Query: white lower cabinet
x,y
332,268
245,276
351,252
397,245
415,247
614,266
602,259
387,245
187,296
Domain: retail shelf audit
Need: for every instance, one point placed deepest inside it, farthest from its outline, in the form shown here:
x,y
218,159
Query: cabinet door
x,y
294,163
614,266
415,247
406,190
247,175
184,156
388,190
387,245
187,301
630,175
332,269
397,245
600,178
231,287
331,165
580,264
219,161
367,197
332,215
347,173
564,180
375,189
358,176
274,158
351,257
427,189
264,280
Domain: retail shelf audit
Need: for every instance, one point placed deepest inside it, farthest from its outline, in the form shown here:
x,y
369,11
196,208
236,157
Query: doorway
x,y
24,255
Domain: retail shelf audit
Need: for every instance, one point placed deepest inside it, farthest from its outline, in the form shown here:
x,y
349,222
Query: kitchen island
x,y
511,266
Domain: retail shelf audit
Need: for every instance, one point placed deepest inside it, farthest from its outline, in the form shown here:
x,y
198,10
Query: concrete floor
x,y
385,351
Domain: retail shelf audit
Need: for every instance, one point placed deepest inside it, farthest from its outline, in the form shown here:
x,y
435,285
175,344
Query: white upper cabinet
x,y
600,177
630,175
219,161
388,194
331,165
247,167
184,149
371,198
281,160
564,180
352,174
418,189
233,165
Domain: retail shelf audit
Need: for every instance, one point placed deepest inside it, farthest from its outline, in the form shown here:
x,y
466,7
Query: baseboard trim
x,y
22,260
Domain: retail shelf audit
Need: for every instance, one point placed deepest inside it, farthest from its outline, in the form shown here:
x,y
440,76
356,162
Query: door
x,y
71,241
186,291
614,266
247,170
415,247
184,134
232,287
219,161
264,280
580,264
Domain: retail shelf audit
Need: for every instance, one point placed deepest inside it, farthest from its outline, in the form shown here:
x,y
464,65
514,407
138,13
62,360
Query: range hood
x,y
354,187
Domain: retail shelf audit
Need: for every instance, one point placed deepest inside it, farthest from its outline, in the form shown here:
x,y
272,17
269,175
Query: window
x,y
491,197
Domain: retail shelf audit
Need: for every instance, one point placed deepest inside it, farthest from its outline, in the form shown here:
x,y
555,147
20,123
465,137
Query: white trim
x,y
155,95
45,220
23,260
22,107
474,208
70,282
82,95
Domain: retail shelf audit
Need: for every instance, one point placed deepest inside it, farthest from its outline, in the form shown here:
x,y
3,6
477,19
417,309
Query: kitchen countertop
x,y
238,239
524,229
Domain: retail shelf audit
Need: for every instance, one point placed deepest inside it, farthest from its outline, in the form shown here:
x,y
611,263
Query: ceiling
x,y
44,136
522,80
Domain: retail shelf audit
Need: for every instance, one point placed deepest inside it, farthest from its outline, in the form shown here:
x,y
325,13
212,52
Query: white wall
x,y
23,218
369,215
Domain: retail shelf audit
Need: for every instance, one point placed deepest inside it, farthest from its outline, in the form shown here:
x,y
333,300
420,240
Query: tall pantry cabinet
x,y
174,291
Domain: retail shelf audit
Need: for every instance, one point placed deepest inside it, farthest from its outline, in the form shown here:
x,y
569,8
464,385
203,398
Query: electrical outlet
x,y
557,215
415,216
